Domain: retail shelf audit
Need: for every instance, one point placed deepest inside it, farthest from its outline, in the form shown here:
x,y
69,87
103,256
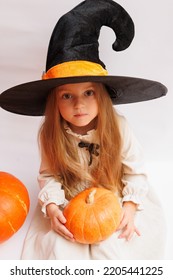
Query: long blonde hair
x,y
61,154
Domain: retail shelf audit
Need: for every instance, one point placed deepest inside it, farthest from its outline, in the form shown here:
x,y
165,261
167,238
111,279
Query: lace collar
x,y
88,137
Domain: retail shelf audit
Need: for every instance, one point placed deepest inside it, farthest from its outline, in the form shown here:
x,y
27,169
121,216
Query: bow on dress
x,y
92,148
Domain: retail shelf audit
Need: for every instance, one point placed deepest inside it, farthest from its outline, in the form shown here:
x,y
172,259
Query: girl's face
x,y
77,104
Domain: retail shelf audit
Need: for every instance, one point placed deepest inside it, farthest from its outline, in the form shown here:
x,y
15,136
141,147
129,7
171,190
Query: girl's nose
x,y
78,102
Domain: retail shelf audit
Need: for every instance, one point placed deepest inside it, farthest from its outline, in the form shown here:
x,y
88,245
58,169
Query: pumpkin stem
x,y
90,197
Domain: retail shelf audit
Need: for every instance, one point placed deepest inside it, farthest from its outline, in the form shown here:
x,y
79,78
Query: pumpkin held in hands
x,y
93,215
14,205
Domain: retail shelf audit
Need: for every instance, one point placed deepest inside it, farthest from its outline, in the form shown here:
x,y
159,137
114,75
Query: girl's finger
x,y
122,225
61,218
68,236
124,234
137,232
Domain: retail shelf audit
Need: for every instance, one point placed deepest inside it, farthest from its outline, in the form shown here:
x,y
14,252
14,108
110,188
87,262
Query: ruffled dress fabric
x,y
42,243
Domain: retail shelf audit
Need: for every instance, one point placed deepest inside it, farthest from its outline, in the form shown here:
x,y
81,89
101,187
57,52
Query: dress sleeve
x,y
134,176
50,189
51,192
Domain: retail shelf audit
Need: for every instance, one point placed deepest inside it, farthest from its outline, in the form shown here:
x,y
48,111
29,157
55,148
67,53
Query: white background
x,y
25,29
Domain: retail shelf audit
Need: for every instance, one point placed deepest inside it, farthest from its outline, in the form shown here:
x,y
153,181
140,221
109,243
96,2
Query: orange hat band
x,y
75,68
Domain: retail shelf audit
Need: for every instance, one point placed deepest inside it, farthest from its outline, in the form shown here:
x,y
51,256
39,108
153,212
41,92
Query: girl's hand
x,y
127,225
58,220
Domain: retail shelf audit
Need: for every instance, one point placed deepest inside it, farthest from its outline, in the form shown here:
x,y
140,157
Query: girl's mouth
x,y
80,115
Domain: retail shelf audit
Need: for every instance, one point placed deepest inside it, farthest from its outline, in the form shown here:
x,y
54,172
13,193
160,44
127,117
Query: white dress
x,y
42,243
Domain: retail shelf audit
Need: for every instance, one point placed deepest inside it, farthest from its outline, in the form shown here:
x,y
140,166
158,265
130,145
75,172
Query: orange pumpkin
x,y
93,215
14,205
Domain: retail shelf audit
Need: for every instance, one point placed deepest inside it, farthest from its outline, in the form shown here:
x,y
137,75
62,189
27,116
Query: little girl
x,y
76,116
84,141
81,110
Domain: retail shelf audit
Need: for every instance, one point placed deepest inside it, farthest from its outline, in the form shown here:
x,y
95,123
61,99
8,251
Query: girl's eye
x,y
89,93
66,96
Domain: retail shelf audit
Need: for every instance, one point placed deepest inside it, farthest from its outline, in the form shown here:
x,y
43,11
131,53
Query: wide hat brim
x,y
30,98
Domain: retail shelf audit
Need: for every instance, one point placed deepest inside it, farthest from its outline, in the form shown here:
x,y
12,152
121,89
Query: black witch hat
x,y
73,57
